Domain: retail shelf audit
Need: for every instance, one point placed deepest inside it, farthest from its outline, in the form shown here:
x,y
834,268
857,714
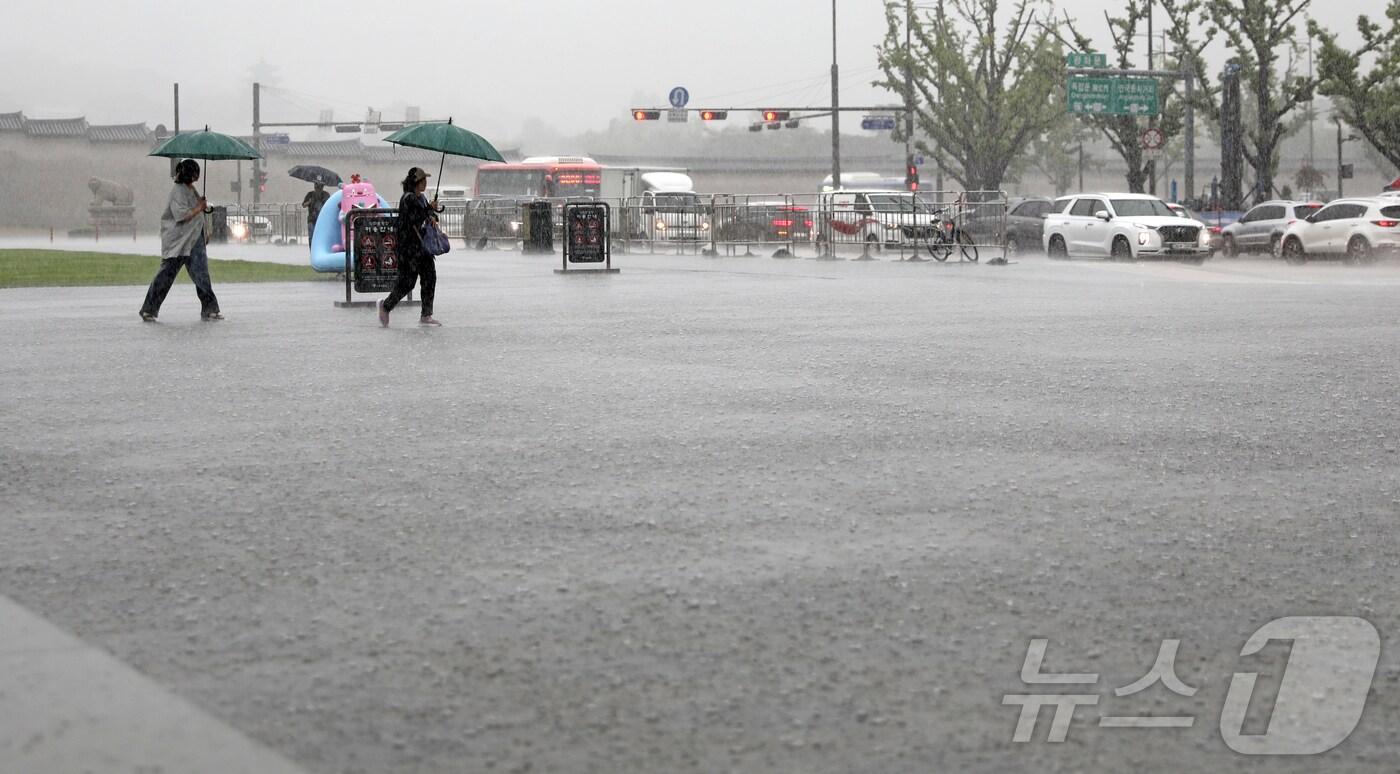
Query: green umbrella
x,y
206,146
446,139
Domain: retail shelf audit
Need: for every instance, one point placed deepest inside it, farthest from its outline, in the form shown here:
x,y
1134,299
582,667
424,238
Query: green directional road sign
x,y
1089,60
1137,96
1112,96
1090,95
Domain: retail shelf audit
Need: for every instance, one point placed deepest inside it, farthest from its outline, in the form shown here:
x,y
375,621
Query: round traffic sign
x,y
679,97
1153,138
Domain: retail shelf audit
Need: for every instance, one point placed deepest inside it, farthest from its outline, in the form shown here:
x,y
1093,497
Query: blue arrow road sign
x,y
679,97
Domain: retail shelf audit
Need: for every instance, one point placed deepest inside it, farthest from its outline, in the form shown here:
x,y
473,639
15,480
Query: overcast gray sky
x,y
493,65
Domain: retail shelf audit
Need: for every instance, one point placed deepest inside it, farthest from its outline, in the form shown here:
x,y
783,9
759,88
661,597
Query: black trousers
x,y
197,265
423,268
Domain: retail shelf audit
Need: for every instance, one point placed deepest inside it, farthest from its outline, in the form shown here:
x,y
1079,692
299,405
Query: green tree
x,y
1366,99
1310,178
1124,133
987,82
1260,33
1056,155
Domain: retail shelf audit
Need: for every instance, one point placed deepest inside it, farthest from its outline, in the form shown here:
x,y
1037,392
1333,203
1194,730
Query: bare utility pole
x,y
1341,166
836,107
173,162
257,142
1188,74
908,84
1312,141
1151,120
1081,166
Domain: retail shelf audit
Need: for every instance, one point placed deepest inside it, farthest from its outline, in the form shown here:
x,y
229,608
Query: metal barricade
x,y
981,222
776,224
491,222
452,219
901,225
676,223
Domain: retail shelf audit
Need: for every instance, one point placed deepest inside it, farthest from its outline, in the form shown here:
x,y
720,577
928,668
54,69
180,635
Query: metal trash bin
x,y
219,224
537,227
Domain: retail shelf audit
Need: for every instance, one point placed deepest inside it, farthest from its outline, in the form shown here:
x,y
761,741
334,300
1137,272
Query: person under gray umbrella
x,y
314,200
182,243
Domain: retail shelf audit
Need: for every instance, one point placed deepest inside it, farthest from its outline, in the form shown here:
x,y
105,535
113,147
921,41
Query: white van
x,y
669,208
454,193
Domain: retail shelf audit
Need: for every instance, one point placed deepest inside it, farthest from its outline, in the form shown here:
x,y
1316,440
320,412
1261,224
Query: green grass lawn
x,y
61,268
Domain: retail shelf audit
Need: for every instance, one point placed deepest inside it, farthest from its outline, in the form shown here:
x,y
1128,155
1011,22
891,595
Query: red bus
x,y
541,176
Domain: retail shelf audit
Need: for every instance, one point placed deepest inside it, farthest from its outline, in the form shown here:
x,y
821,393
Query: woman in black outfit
x,y
414,261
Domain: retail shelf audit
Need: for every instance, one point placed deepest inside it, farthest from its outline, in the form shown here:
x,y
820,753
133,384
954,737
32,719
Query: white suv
x,y
1358,230
1124,227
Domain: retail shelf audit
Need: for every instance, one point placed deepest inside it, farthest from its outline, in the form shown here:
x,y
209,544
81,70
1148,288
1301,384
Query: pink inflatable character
x,y
356,195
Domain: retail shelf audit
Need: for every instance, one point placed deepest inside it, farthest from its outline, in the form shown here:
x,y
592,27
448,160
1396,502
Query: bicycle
x,y
942,239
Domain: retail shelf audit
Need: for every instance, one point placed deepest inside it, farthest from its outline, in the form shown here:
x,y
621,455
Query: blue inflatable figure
x,y
328,238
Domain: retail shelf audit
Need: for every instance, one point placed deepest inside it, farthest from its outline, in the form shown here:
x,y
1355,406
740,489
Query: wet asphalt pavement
x,y
715,514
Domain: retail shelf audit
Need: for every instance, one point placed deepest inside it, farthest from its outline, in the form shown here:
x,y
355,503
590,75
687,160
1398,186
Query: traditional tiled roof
x,y
56,127
346,149
353,149
120,133
12,122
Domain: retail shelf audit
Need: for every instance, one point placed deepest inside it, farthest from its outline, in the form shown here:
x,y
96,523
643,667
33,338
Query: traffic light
x,y
646,115
776,115
714,115
262,182
911,176
755,127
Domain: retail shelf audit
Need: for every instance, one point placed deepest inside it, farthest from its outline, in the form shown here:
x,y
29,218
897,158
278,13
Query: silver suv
x,y
1261,229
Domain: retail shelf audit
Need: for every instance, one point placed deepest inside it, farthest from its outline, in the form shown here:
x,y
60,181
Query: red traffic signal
x,y
776,115
911,177
714,115
646,115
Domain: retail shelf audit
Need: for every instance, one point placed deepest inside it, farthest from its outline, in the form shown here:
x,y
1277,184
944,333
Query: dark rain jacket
x,y
413,216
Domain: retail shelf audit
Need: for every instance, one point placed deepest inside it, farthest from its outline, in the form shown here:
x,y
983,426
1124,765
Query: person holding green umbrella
x,y
416,264
183,236
416,213
182,244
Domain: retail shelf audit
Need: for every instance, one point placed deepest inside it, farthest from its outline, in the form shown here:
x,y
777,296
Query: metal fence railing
x,y
898,225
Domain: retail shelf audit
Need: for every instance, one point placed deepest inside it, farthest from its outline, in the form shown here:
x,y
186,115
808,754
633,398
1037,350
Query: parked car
x,y
878,218
1024,223
1357,230
1124,227
1182,211
244,226
1261,228
763,221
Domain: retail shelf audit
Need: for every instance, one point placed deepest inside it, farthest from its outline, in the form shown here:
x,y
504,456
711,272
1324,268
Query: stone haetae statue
x,y
108,192
112,209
